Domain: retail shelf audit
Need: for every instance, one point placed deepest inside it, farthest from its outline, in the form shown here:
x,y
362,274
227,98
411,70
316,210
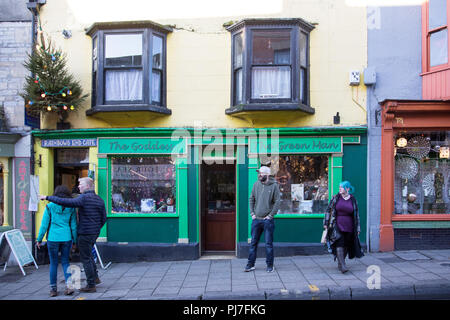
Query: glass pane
x,y
303,85
143,185
75,155
238,50
123,50
271,47
157,52
422,173
303,182
438,48
437,13
156,86
303,46
123,85
238,86
271,82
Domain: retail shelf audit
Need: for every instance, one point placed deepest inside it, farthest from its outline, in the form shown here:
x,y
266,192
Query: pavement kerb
x,y
249,295
386,292
432,289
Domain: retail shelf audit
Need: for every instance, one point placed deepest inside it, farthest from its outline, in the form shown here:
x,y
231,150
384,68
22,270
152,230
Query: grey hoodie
x,y
265,198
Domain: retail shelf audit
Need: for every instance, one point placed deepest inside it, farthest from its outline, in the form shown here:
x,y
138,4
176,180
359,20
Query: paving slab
x,y
411,255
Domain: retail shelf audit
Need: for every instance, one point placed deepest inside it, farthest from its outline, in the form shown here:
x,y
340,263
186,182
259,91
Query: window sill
x,y
299,215
128,108
421,217
267,107
142,215
139,114
261,114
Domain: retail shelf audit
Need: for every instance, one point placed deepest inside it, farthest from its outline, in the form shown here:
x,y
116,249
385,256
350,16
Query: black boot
x,y
341,259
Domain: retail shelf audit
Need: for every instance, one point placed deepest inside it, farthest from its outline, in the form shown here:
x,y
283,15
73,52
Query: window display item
x,y
428,185
418,147
297,191
406,167
147,205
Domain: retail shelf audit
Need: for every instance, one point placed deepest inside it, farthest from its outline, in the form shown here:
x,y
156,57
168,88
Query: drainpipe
x,y
33,6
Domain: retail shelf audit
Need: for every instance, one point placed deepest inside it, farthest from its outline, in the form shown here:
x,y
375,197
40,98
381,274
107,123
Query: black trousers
x,y
85,245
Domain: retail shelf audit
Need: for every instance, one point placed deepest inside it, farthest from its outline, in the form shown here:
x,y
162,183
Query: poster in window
x,y
297,192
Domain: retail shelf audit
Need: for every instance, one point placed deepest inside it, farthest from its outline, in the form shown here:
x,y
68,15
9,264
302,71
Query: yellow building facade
x,y
239,80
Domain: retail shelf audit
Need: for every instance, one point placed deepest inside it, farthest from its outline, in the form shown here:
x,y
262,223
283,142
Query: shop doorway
x,y
70,165
218,208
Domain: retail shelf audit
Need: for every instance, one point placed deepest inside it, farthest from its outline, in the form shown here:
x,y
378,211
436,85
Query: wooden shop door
x,y
218,210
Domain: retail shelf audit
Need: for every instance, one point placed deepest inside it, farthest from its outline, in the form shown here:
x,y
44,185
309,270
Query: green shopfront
x,y
174,194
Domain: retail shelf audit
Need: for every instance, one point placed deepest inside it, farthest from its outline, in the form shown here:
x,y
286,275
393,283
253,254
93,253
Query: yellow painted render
x,y
46,177
46,174
5,169
199,58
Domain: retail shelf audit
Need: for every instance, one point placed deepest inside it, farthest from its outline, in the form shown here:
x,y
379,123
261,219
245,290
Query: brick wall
x,y
425,239
15,43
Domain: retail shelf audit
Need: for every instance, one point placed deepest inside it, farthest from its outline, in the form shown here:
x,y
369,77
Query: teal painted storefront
x,y
165,234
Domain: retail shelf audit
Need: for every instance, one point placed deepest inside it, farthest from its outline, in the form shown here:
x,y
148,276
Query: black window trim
x,y
246,27
148,29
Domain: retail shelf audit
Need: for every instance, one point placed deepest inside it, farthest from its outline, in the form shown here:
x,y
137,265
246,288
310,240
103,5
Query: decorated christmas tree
x,y
50,88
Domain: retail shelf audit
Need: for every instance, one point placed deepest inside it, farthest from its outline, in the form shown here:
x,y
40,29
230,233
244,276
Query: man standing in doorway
x,y
264,204
92,217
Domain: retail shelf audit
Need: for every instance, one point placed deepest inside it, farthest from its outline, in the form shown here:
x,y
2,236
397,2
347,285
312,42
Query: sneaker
x,y
249,268
270,269
53,293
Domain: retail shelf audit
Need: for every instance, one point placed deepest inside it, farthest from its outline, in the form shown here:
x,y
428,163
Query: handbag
x,y
324,236
41,253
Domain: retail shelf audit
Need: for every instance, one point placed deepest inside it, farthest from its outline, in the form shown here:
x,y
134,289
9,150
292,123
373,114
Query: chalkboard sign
x,y
19,248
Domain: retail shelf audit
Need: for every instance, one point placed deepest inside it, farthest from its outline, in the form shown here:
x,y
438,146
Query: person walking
x,y
264,204
92,217
343,226
60,224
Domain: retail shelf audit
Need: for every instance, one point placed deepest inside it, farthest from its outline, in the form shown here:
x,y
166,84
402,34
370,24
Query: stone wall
x,y
15,44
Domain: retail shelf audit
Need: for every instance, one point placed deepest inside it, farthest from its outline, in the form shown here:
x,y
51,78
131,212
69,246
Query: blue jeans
x,y
258,226
85,244
54,247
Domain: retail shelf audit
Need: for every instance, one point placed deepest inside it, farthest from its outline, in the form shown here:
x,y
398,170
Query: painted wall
x,y
199,56
394,50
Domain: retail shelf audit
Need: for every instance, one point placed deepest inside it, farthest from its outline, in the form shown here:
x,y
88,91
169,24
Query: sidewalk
x,y
418,274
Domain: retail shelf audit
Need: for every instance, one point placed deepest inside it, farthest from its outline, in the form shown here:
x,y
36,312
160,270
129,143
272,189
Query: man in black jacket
x,y
92,217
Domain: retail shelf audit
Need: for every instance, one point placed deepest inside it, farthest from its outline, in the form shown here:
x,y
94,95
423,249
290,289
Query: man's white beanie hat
x,y
264,170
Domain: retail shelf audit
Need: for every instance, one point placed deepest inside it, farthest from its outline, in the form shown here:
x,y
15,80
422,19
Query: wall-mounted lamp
x,y
402,142
39,161
336,118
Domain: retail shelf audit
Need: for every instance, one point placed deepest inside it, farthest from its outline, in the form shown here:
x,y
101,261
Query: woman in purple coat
x,y
342,222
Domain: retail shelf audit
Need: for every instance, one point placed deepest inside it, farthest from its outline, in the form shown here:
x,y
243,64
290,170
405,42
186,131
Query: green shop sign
x,y
296,145
141,146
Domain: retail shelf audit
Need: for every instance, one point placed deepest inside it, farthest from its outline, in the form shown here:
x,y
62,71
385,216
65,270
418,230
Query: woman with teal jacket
x,y
61,224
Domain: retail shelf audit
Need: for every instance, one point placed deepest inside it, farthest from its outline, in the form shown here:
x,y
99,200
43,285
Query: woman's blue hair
x,y
345,185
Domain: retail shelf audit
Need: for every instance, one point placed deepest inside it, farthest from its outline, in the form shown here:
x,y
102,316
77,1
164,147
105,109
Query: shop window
x,y
143,185
422,173
270,63
303,182
128,66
